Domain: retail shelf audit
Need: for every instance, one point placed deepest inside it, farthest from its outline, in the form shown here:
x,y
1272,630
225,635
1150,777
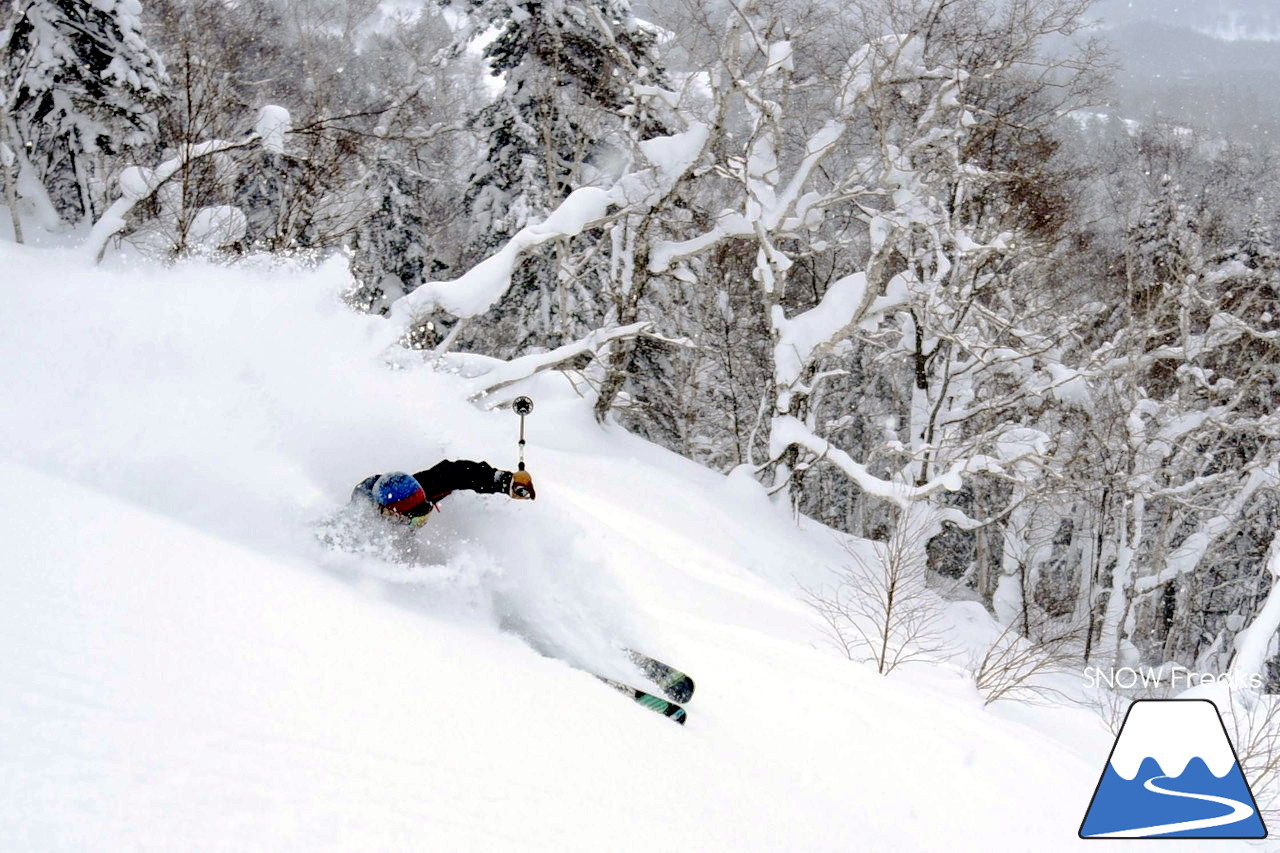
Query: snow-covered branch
x,y
786,431
1187,556
485,283
490,374
587,207
137,184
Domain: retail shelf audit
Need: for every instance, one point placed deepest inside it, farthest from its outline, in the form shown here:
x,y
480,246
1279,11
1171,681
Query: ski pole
x,y
522,407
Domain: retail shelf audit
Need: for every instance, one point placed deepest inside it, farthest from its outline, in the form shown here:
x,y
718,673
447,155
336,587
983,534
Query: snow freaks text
x,y
1172,676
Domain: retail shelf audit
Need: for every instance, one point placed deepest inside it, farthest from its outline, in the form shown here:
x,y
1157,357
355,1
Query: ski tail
x,y
648,700
675,685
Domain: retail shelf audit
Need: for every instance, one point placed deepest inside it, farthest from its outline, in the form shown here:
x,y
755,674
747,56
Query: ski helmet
x,y
400,496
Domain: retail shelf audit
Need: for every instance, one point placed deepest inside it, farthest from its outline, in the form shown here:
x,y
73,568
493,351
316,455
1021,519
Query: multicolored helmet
x,y
400,497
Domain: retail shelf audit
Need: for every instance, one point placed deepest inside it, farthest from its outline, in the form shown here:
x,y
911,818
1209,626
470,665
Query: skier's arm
x,y
451,475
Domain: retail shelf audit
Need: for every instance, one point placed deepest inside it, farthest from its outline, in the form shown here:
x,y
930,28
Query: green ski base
x,y
654,703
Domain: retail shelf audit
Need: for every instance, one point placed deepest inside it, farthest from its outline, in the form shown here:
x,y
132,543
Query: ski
x,y
674,684
648,700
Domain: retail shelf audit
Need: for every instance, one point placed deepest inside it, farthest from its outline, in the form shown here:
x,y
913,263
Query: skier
x,y
409,499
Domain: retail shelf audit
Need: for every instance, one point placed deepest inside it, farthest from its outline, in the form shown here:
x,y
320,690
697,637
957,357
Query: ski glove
x,y
521,486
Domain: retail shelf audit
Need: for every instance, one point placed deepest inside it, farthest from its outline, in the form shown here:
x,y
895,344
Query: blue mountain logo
x,y
1173,773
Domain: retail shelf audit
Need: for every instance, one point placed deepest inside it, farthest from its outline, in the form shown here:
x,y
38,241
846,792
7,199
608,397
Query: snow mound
x,y
272,125
215,227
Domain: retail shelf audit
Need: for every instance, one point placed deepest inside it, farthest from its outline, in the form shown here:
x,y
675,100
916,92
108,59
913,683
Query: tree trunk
x,y
616,371
1118,603
622,353
1085,541
10,193
1254,643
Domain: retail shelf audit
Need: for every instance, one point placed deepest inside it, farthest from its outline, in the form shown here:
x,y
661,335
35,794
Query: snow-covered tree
x,y
1185,423
8,169
80,82
213,226
391,247
568,69
888,171
272,186
567,116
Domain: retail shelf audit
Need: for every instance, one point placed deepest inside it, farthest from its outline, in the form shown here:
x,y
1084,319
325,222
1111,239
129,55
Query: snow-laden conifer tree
x,y
566,117
415,175
81,82
568,66
391,246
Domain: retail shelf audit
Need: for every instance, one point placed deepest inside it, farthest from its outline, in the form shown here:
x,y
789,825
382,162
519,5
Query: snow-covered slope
x,y
186,667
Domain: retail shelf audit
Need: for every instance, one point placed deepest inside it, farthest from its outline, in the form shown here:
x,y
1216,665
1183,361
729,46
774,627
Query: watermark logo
x,y
1171,676
1172,773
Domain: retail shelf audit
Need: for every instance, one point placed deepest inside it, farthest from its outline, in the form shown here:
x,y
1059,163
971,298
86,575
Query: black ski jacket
x,y
450,475
446,477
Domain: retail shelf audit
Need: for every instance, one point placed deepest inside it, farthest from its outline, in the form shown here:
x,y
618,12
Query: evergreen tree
x,y
266,188
1246,276
566,117
1257,251
1164,240
83,82
1165,281
392,252
297,200
568,68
